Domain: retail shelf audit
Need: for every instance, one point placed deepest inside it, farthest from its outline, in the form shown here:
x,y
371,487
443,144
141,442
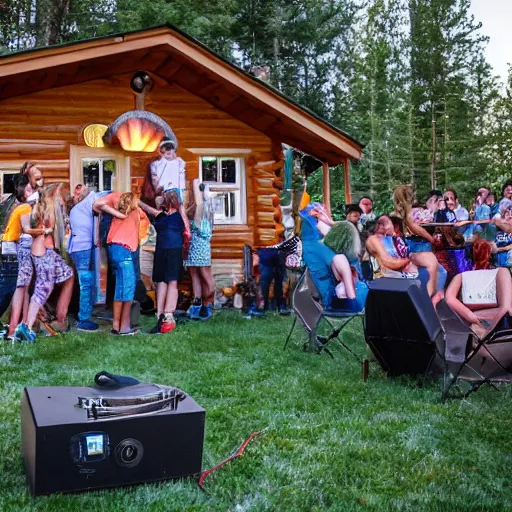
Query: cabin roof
x,y
174,56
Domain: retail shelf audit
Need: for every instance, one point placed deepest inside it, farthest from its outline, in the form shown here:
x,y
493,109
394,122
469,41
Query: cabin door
x,y
99,168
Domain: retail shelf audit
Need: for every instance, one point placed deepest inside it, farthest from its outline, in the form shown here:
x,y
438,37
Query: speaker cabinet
x,y
65,450
402,327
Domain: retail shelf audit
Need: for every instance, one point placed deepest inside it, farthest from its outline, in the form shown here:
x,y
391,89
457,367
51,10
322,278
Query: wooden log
x,y
346,177
262,184
326,187
266,236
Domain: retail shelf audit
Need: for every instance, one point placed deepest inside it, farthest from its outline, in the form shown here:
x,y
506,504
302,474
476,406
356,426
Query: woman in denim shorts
x,y
123,243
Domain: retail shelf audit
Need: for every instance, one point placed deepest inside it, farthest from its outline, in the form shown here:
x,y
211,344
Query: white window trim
x,y
241,216
77,153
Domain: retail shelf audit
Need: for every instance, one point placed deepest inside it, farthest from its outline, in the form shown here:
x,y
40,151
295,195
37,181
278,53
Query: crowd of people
x,y
55,237
148,242
460,255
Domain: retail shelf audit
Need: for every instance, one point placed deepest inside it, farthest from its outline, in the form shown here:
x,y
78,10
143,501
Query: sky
x,y
496,18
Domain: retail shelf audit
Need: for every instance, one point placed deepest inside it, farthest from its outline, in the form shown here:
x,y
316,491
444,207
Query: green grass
x,y
331,442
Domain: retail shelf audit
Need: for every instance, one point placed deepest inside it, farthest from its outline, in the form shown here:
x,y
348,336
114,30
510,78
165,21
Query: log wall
x,y
41,126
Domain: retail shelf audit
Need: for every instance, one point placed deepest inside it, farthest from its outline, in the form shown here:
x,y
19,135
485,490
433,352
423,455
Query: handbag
x,y
479,288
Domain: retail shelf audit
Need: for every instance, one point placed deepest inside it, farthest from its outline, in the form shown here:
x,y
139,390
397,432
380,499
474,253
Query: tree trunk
x,y
49,16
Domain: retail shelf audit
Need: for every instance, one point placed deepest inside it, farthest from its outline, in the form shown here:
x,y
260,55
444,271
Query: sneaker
x,y
193,312
253,311
160,321
167,327
131,332
284,311
24,333
195,307
13,339
87,326
205,313
169,324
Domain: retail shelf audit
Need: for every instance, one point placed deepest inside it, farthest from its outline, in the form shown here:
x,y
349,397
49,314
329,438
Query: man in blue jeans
x,y
81,250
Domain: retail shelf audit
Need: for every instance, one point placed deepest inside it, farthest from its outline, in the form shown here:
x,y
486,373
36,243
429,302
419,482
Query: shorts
x,y
168,265
146,262
50,269
351,305
123,267
25,267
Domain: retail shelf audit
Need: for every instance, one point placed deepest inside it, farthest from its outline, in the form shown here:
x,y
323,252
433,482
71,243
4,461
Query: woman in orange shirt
x,y
123,242
16,240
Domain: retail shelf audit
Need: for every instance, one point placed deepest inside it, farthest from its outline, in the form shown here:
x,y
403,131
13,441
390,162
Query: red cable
x,y
239,452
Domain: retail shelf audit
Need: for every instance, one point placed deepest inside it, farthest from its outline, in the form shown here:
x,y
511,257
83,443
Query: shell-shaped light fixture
x,y
139,129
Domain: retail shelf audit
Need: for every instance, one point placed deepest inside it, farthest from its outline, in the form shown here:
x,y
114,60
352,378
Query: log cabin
x,y
230,126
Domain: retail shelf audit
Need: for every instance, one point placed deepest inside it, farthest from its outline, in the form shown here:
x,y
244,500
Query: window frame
x,y
79,153
100,161
238,188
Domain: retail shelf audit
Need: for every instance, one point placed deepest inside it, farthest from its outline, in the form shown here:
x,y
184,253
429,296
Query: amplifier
x,y
82,438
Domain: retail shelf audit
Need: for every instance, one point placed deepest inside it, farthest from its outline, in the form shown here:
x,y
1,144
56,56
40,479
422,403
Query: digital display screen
x,y
94,444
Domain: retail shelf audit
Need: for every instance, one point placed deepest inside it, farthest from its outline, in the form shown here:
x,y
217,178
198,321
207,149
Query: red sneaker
x,y
167,327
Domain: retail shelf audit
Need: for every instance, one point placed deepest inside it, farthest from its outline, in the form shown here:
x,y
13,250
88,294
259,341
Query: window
x,y
7,183
99,174
226,179
99,168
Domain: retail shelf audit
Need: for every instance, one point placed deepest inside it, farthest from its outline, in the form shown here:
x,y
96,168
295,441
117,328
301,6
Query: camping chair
x,y
473,360
309,310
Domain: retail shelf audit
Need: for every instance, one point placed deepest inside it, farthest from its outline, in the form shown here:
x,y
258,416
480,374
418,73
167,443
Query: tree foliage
x,y
408,78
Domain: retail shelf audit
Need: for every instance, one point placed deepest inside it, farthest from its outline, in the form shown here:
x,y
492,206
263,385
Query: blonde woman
x,y
199,261
420,253
123,242
50,267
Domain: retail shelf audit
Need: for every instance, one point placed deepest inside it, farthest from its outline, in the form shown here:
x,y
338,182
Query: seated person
x,y
353,214
368,215
444,214
422,260
381,245
452,203
503,237
482,296
327,268
395,262
482,211
344,238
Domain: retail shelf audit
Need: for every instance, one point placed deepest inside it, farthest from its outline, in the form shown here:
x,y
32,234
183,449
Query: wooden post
x,y
346,174
327,187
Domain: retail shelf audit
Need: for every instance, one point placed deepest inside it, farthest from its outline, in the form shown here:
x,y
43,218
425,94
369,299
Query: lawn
x,y
330,441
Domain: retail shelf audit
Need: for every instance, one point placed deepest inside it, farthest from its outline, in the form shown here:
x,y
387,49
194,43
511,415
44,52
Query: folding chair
x,y
471,359
309,310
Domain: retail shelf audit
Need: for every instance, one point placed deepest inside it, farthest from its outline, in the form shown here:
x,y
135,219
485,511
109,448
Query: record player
x,y
119,432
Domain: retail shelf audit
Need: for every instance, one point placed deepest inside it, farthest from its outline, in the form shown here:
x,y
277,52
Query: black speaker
x,y
402,327
81,438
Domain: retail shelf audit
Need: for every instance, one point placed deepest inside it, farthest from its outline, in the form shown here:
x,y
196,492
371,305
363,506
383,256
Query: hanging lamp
x,y
140,130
